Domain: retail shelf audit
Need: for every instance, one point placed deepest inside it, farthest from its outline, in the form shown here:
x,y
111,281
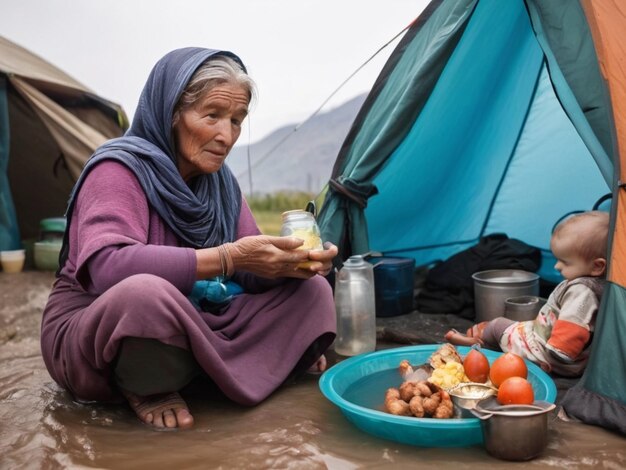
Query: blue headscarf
x,y
206,212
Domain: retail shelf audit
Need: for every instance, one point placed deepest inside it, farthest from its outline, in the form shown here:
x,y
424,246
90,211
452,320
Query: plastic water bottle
x,y
356,307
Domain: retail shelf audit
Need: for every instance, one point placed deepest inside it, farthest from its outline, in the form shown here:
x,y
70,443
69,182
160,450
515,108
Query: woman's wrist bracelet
x,y
222,262
226,260
230,265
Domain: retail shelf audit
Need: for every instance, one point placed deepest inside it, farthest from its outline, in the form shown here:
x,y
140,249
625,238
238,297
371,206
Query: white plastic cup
x,y
12,260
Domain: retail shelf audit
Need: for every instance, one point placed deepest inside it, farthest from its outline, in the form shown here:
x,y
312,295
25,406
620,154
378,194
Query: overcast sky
x,y
297,51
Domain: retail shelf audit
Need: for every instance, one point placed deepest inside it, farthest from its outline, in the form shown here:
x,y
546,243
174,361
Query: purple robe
x,y
127,275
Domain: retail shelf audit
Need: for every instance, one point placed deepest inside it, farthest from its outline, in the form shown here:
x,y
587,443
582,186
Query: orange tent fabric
x,y
607,21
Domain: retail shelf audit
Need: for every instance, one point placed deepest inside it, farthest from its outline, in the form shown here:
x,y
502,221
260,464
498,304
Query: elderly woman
x,y
164,274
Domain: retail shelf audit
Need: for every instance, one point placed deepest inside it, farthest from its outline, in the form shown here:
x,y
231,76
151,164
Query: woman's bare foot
x,y
167,410
319,366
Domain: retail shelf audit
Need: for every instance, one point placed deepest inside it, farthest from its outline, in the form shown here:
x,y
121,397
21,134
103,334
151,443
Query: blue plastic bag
x,y
209,295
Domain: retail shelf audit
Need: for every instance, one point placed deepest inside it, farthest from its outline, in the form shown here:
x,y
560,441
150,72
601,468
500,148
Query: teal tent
x,y
490,117
49,125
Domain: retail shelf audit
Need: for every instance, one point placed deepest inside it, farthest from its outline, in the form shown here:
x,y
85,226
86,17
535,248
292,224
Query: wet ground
x,y
42,428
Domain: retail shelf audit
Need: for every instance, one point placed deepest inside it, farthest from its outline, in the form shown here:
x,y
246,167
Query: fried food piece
x,y
405,369
416,406
431,403
409,389
446,353
399,408
392,394
420,399
394,404
445,409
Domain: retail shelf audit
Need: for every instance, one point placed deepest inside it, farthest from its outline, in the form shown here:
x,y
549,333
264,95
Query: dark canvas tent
x,y
49,125
496,117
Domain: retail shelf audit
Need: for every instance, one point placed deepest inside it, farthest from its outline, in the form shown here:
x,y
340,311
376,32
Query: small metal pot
x,y
523,308
514,432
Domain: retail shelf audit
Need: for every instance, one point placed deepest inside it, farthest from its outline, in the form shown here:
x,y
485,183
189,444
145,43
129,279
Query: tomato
x,y
505,366
516,391
476,366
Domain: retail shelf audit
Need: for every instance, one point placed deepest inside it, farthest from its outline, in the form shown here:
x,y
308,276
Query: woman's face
x,y
207,131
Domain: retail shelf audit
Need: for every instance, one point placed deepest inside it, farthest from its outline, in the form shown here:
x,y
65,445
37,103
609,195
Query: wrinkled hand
x,y
274,257
321,261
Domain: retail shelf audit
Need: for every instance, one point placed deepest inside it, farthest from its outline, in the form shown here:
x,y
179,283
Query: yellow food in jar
x,y
312,241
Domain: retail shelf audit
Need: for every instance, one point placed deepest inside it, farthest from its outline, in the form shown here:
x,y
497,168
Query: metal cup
x,y
523,308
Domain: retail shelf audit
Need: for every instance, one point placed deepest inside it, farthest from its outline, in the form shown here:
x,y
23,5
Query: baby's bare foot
x,y
167,410
459,339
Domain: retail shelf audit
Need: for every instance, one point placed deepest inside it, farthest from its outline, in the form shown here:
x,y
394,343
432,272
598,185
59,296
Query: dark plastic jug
x,y
393,280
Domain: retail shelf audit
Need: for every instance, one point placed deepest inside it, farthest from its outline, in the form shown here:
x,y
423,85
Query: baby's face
x,y
569,262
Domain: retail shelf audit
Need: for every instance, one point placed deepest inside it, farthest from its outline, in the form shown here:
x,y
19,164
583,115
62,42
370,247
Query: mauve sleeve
x,y
113,234
112,264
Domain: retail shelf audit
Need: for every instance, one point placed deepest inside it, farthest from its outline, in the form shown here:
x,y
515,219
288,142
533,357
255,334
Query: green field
x,y
267,209
268,221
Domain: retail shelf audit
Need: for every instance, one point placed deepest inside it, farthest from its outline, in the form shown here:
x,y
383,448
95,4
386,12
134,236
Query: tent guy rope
x,y
316,112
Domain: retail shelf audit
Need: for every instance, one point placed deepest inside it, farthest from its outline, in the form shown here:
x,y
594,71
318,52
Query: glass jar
x,y
301,224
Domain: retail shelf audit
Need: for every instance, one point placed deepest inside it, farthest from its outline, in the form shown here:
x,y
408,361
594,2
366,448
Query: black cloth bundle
x,y
449,287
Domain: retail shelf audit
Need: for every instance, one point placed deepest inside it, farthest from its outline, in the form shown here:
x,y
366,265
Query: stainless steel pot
x,y
514,432
493,287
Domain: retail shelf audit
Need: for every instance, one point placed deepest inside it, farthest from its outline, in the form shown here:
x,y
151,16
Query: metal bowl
x,y
466,395
514,432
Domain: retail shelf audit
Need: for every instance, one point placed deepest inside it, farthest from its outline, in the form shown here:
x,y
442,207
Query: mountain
x,y
303,161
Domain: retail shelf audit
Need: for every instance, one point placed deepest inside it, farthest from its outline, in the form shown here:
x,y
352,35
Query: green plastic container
x,y
46,255
52,228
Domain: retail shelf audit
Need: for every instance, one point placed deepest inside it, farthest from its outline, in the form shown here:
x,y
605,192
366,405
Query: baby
x,y
559,338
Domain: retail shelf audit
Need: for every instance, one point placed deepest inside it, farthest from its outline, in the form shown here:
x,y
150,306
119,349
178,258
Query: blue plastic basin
x,y
357,387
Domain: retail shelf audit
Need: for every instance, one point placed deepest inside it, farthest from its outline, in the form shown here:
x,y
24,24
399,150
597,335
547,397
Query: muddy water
x,y
42,428
296,428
